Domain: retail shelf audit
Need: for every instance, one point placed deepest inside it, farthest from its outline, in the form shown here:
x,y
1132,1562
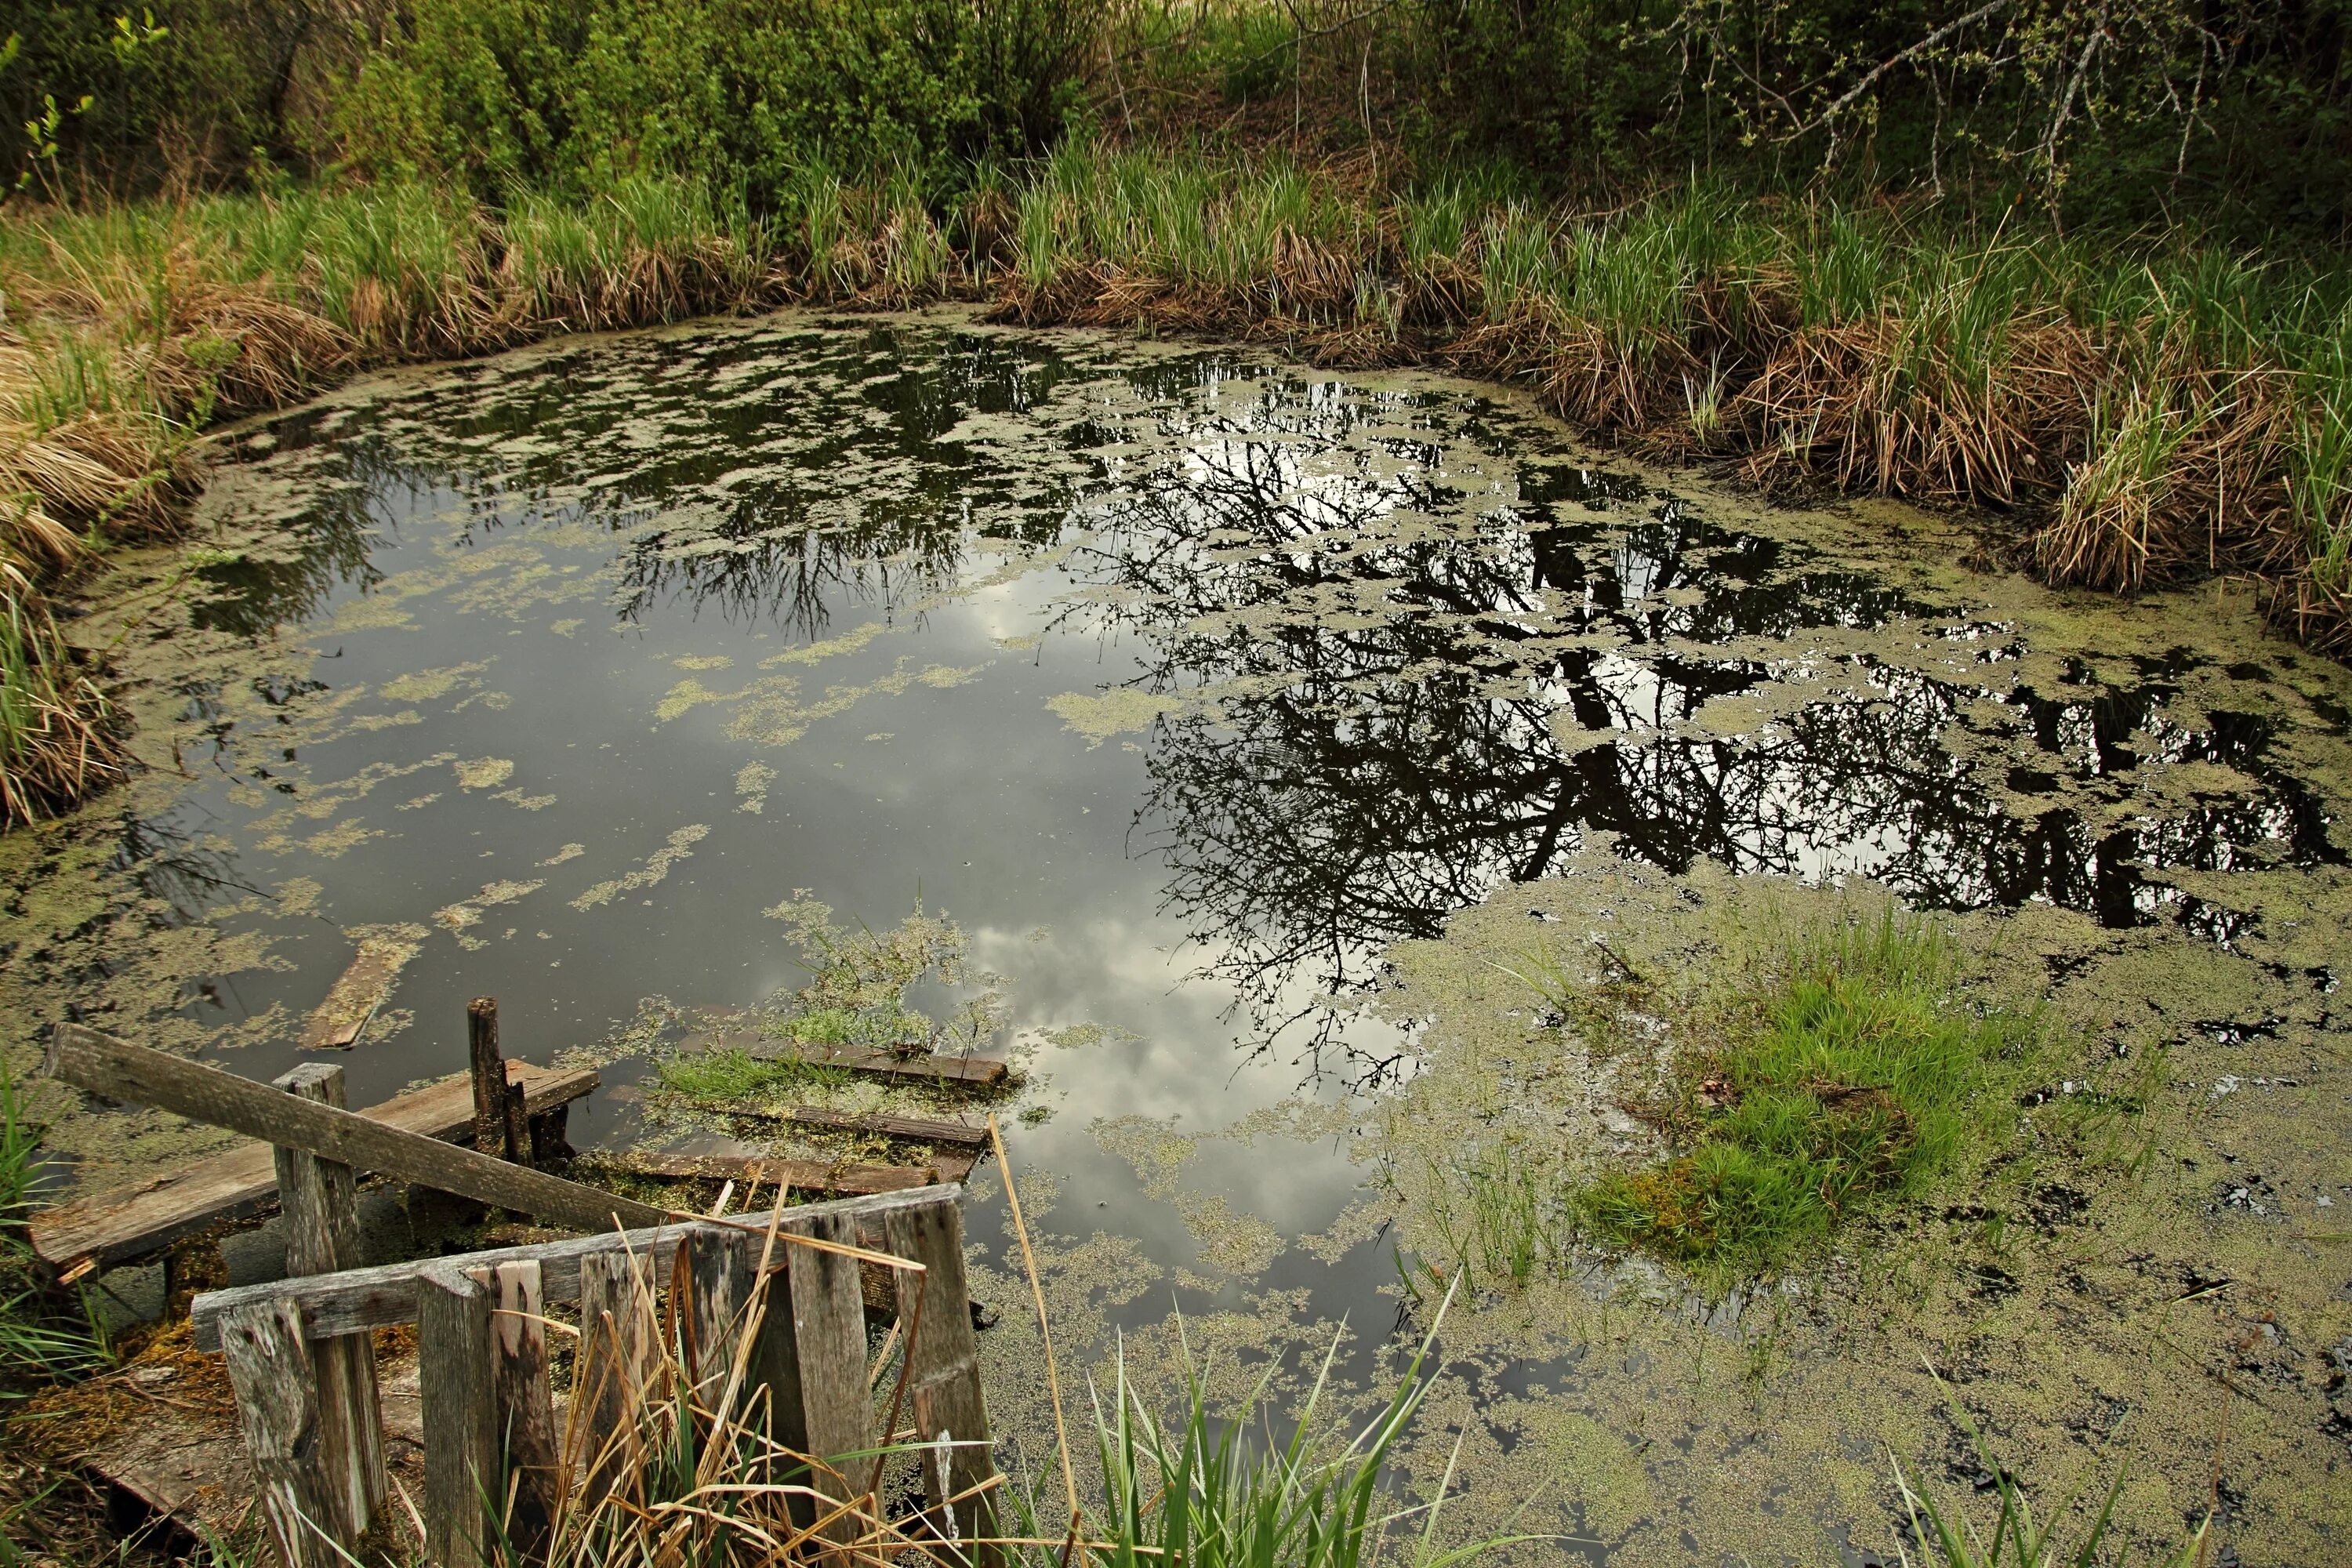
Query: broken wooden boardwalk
x,y
129,1223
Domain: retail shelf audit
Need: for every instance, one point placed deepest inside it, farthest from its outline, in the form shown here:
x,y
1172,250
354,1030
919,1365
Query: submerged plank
x,y
801,1175
340,1020
973,1072
912,1129
127,1223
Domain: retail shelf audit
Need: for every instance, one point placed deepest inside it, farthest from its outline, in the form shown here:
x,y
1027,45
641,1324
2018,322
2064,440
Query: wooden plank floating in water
x,y
800,1175
351,1002
973,1072
140,1076
125,1223
385,1296
911,1129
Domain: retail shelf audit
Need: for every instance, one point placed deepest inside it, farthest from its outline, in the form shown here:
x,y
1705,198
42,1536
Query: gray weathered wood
x,y
124,1224
489,1075
620,1336
458,1397
270,1366
321,1201
526,1405
944,1368
123,1071
829,1345
384,1296
721,1266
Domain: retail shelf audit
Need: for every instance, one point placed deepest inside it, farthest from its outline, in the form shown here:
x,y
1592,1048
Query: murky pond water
x,y
1201,692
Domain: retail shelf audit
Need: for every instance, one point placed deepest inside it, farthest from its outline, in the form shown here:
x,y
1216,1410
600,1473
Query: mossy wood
x,y
912,1129
848,1178
121,1070
126,1224
973,1072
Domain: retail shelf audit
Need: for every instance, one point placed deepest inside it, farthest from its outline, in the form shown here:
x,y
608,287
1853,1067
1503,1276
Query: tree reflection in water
x,y
1407,653
1390,701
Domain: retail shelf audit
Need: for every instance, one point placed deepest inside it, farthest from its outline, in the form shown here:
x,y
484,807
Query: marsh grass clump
x,y
1850,1076
731,1076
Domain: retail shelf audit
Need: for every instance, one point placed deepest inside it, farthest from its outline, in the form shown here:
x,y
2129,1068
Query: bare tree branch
x,y
1870,78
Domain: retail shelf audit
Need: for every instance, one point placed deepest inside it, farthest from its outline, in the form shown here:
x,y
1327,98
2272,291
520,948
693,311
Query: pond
x,y
1234,717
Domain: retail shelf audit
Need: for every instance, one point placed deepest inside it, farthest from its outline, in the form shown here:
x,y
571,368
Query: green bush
x,y
741,97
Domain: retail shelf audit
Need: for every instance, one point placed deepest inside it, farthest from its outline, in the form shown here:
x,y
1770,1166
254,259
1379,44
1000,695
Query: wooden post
x,y
489,1075
518,1127
721,1263
828,1313
320,1202
620,1335
943,1370
550,1138
270,1368
462,1480
525,1408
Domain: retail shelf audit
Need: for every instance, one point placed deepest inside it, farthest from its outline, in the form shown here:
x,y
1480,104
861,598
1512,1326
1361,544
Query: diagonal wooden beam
x,y
142,1076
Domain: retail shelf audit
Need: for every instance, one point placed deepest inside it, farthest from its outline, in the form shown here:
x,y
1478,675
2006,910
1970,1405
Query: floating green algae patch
x,y
1851,1076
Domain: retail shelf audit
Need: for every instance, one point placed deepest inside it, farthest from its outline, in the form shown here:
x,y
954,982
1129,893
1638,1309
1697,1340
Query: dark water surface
x,y
1184,683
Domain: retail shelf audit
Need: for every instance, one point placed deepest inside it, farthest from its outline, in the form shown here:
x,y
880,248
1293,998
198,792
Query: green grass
x,y
44,1337
1224,1490
1949,1538
1848,1081
736,1076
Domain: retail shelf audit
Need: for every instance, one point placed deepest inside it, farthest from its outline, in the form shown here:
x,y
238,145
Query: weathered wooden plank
x,y
458,1397
720,1270
278,1408
971,1072
124,1224
121,1070
620,1333
351,1002
526,1405
913,1129
943,1369
385,1295
487,1073
798,1175
829,1343
321,1199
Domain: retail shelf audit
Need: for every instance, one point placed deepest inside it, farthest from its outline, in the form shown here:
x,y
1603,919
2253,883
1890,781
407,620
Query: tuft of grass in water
x,y
1850,1079
1221,1489
736,1076
1949,1538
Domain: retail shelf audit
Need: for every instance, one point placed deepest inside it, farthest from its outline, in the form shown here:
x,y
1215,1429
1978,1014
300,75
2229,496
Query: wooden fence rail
x,y
489,1425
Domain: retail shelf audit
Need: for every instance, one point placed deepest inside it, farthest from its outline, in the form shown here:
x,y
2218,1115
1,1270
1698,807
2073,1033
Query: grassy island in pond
x,y
1847,1075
